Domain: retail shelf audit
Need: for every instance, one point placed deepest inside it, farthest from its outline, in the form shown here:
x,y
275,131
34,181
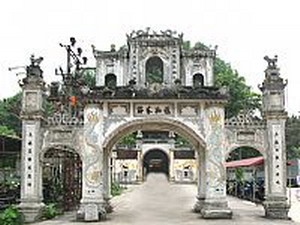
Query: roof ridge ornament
x,y
148,32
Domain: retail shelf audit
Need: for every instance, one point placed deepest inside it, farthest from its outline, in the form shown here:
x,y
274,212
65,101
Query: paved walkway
x,y
158,202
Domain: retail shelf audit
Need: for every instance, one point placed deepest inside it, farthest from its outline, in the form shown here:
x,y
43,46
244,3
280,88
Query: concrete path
x,y
158,202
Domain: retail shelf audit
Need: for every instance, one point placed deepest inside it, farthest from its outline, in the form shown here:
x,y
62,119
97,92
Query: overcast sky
x,y
245,32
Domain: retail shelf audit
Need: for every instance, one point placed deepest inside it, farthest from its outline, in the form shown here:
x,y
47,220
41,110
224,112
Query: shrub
x,y
50,211
11,216
116,189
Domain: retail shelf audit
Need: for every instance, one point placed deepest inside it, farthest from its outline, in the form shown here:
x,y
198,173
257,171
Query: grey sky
x,y
245,32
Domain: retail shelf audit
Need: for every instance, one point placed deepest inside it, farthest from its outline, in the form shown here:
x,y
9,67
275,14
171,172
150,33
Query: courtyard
x,y
157,201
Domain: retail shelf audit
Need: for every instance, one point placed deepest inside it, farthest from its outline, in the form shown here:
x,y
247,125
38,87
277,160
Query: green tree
x,y
4,130
89,76
241,95
292,132
10,115
128,139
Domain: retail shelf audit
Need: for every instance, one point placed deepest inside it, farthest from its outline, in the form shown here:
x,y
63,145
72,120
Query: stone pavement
x,y
158,202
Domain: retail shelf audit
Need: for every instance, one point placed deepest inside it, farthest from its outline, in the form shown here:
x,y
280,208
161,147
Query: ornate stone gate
x,y
176,95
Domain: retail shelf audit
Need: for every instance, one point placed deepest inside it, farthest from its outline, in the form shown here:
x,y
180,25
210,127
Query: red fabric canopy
x,y
246,162
250,162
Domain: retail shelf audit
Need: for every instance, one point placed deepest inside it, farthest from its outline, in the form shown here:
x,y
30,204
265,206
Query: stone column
x,y
171,143
215,203
171,154
274,114
276,205
31,176
92,204
31,169
107,181
140,165
201,181
139,147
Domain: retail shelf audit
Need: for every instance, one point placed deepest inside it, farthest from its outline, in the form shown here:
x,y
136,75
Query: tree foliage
x,y
4,130
243,152
89,76
292,133
241,95
128,139
10,123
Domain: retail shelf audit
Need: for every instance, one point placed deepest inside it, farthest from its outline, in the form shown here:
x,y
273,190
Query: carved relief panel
x,y
118,109
188,110
31,102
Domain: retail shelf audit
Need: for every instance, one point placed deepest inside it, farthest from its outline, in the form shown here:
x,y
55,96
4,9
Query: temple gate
x,y
151,84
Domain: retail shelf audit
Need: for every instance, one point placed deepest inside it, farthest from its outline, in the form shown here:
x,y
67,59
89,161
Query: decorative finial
x,y
34,61
272,62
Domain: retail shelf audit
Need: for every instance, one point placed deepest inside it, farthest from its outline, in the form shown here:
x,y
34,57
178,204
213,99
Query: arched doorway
x,y
246,173
110,80
156,161
162,124
62,178
198,80
154,70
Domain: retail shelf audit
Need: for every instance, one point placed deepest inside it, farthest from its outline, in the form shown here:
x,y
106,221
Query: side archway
x,y
62,177
246,173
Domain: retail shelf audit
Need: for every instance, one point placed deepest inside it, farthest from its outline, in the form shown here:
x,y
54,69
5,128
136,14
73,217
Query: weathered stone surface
x,y
199,205
32,211
276,208
218,210
91,212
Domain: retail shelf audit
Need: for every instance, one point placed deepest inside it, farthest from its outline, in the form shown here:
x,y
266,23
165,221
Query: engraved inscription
x,y
153,109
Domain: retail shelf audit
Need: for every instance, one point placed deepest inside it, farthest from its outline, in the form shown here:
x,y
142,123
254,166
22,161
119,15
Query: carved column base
x,y
32,211
91,212
276,208
216,210
199,204
107,205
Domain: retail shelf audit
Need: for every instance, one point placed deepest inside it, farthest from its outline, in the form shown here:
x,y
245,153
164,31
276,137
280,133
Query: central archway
x,y
162,124
156,161
153,124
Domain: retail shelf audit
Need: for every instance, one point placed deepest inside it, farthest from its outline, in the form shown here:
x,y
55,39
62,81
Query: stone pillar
x,y
171,154
107,181
140,165
92,204
31,176
171,143
276,205
32,114
201,181
215,203
139,147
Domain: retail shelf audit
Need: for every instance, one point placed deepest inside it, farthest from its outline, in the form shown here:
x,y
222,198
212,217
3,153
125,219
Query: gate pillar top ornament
x,y
34,74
